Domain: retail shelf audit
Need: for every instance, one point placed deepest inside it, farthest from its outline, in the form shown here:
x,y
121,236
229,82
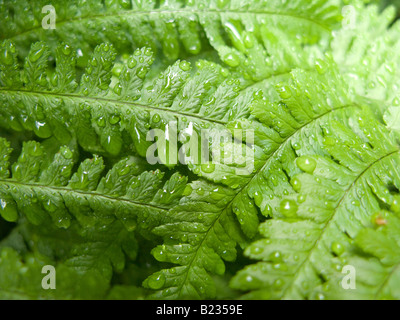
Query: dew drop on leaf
x,y
156,118
284,92
132,63
184,65
296,184
232,60
6,57
101,122
114,119
395,207
8,210
288,208
156,281
306,164
208,168
337,248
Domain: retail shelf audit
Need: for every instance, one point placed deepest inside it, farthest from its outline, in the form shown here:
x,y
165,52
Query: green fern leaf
x,y
375,262
178,27
106,113
284,130
39,191
369,63
200,234
284,126
337,196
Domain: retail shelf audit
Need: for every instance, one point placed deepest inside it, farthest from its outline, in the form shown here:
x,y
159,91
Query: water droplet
x,y
124,171
184,65
276,256
395,207
208,168
296,146
284,92
156,118
66,153
255,250
288,208
112,143
8,210
101,122
306,164
6,57
126,4
258,198
132,63
118,89
200,191
296,184
42,129
249,41
50,206
232,60
114,119
156,281
337,248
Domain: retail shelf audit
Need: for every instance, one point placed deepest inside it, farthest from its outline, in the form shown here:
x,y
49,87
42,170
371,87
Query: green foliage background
x,y
318,87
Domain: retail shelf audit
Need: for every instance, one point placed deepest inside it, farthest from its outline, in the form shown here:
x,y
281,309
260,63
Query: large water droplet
x,y
208,168
288,208
6,57
306,164
337,248
395,207
156,281
8,210
232,60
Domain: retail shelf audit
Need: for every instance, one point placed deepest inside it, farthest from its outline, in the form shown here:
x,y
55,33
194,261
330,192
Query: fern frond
x,y
376,266
370,63
103,112
43,191
287,129
284,130
179,27
199,235
337,196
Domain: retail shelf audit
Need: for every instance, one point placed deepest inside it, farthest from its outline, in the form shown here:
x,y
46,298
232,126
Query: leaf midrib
x,y
112,101
65,190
